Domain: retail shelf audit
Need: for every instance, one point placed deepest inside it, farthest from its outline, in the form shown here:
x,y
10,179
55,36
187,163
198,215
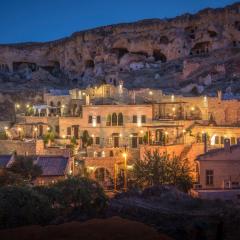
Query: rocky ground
x,y
97,229
179,215
155,213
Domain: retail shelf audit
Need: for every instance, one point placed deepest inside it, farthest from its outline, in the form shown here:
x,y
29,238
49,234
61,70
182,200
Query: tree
x,y
24,166
50,136
86,139
157,169
9,178
3,135
78,193
22,206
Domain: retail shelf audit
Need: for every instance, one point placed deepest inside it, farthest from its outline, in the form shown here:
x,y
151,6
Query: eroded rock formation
x,y
175,50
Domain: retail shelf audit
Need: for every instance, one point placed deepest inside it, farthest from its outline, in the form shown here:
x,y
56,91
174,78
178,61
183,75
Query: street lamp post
x,y
125,171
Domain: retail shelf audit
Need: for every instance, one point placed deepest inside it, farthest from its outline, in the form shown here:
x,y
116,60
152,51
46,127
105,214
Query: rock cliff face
x,y
195,49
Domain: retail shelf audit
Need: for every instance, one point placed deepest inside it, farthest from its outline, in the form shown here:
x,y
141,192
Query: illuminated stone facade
x,y
118,120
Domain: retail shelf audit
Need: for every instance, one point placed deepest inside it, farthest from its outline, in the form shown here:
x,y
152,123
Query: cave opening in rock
x,y
52,67
74,81
141,53
120,52
164,40
200,48
89,63
18,66
4,67
159,56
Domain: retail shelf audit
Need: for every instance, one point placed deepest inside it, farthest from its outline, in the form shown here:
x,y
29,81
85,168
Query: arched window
x,y
120,119
52,105
109,120
114,119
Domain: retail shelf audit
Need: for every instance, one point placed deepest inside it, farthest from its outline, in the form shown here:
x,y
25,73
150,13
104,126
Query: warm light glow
x,y
48,128
166,133
172,98
205,98
63,136
130,167
103,154
173,109
92,135
150,93
35,129
141,131
183,130
27,106
192,108
17,106
84,94
212,141
120,135
203,132
124,155
6,128
63,106
130,135
94,122
19,129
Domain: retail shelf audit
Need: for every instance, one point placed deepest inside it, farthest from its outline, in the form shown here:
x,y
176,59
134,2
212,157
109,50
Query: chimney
x,y
88,100
219,95
227,145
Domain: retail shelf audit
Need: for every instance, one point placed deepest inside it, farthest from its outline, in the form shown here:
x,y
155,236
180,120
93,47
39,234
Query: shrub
x,y
78,193
22,206
9,178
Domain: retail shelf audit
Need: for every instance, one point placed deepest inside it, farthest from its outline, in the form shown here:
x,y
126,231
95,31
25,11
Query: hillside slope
x,y
201,50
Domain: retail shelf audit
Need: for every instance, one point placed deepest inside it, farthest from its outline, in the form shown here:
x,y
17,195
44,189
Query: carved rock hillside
x,y
187,53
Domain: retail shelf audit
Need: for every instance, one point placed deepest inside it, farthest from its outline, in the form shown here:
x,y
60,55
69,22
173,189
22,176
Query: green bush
x,y
22,206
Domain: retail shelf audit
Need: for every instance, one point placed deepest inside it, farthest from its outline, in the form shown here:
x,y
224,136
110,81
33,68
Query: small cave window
x,y
120,52
164,40
89,64
159,56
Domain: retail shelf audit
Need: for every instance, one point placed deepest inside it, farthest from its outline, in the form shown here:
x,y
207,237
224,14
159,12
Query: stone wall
x,y
20,147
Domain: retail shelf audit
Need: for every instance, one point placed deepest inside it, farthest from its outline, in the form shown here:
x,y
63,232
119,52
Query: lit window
x,y
233,140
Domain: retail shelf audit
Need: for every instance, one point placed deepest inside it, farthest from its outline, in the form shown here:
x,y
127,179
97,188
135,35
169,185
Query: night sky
x,y
44,20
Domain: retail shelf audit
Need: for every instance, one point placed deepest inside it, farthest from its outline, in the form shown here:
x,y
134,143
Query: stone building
x,y
220,168
54,168
117,120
